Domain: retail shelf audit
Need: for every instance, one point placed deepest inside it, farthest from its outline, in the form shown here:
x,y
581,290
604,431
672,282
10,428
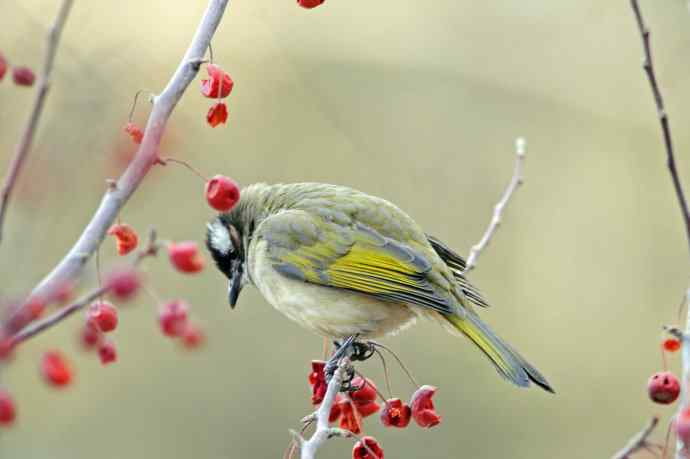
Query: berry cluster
x,y
350,408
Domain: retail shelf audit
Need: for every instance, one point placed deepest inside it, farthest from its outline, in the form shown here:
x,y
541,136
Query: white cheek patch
x,y
219,237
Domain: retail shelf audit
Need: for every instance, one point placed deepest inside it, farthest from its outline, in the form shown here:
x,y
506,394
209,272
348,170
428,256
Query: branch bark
x,y
24,147
116,196
515,182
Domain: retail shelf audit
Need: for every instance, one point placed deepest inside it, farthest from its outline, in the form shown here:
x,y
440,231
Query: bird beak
x,y
235,286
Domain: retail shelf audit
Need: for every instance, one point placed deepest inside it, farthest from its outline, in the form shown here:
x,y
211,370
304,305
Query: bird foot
x,y
357,351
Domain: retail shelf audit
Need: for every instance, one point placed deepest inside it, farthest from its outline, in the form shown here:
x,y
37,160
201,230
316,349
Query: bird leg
x,y
355,350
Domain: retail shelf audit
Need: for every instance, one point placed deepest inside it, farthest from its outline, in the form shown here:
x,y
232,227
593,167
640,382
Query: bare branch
x,y
35,328
515,182
638,441
22,150
648,65
323,431
115,197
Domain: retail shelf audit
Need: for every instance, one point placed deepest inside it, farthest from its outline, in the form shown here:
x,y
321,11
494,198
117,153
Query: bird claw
x,y
357,351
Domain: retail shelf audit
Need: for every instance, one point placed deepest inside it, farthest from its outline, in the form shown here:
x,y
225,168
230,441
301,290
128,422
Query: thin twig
x,y
35,328
638,441
515,182
648,65
22,150
115,197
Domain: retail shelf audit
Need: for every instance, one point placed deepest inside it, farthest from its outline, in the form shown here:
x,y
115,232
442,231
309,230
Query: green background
x,y
417,102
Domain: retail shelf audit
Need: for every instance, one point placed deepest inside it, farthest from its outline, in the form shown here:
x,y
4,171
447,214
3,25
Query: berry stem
x,y
165,160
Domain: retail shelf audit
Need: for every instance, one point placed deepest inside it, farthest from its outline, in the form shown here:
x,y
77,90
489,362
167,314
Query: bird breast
x,y
328,311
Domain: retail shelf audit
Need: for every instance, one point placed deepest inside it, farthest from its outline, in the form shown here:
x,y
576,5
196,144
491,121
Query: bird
x,y
348,265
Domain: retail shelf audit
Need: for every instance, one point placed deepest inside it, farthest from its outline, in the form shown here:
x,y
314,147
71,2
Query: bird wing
x,y
312,249
457,264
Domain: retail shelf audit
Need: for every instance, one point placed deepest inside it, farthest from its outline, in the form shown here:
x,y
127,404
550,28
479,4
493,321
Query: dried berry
x,y
222,193
360,451
23,76
395,413
663,387
173,318
123,283
185,257
212,87
134,132
125,236
8,411
103,315
422,406
217,114
107,352
55,369
309,4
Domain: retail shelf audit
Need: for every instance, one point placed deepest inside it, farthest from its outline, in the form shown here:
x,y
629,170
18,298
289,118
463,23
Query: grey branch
x,y
515,182
22,150
639,441
648,66
117,195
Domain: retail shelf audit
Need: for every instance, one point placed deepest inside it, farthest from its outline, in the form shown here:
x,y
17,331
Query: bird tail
x,y
507,361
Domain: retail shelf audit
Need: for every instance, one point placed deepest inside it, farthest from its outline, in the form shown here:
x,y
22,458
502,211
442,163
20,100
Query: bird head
x,y
224,241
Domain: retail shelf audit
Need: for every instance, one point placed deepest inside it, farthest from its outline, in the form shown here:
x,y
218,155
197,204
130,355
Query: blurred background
x,y
417,102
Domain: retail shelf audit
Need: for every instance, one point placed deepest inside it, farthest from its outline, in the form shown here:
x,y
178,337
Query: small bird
x,y
347,265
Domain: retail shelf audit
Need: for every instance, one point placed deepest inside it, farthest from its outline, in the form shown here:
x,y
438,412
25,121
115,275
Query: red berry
x,y
103,315
107,352
193,336
317,380
185,257
350,418
222,193
173,318
3,66
671,344
64,292
55,369
395,413
90,336
682,427
125,237
8,411
217,114
6,347
422,406
211,87
365,393
134,132
360,451
23,76
309,4
663,387
123,283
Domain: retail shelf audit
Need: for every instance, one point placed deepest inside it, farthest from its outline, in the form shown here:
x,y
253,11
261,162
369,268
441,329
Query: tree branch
x,y
639,441
58,316
648,65
117,195
515,182
22,150
323,431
